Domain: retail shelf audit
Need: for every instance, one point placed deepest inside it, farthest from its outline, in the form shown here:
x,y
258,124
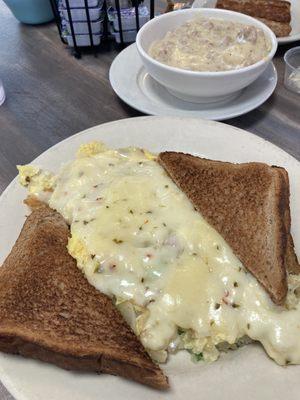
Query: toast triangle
x,y
248,204
49,311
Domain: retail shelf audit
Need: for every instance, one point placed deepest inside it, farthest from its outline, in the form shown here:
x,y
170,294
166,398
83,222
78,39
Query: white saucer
x,y
135,86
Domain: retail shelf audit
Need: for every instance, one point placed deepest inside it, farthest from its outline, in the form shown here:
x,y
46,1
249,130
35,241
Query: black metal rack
x,y
77,50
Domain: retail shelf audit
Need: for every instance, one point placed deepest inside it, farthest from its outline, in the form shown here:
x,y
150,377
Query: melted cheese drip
x,y
211,44
137,237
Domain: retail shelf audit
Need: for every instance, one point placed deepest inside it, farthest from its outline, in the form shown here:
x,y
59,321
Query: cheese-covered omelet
x,y
138,239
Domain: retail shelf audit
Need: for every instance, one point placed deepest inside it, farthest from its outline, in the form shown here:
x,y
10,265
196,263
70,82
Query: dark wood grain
x,y
51,95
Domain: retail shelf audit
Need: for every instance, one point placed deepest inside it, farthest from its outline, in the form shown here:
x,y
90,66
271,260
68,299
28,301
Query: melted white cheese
x,y
137,237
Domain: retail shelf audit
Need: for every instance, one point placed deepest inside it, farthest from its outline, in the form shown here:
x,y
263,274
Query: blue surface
x,y
31,11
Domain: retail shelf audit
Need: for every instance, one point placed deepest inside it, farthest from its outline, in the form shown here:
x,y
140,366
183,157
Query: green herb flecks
x,y
196,357
180,331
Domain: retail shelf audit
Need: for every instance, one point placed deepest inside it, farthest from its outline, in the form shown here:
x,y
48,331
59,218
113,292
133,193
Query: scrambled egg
x,y
78,249
138,239
39,183
91,149
26,173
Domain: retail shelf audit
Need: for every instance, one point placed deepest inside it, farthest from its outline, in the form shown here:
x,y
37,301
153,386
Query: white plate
x,y
246,374
295,22
135,86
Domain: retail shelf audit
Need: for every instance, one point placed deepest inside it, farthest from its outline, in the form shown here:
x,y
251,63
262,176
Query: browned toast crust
x,y
291,261
248,204
280,29
50,312
273,10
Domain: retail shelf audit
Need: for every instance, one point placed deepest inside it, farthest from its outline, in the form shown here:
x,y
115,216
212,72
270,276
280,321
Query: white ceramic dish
x,y
81,27
80,3
295,22
246,374
128,19
79,14
84,40
194,86
295,34
128,36
134,85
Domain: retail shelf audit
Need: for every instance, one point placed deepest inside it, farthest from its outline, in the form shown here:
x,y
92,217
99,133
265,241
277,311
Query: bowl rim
x,y
218,11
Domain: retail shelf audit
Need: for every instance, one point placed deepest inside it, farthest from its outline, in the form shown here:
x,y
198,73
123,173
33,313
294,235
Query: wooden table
x,y
51,95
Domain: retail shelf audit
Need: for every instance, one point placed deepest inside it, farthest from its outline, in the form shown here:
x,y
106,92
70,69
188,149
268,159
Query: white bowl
x,y
199,87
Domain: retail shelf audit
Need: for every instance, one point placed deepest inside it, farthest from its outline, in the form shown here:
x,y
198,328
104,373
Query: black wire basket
x,y
78,22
